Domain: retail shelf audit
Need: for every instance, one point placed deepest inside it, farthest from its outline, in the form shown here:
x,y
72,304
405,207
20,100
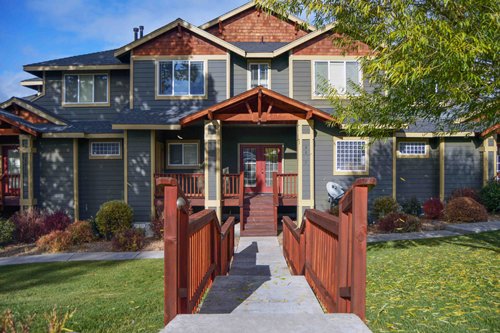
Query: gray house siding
x,y
53,174
279,75
139,174
380,157
239,75
463,164
119,97
419,176
99,180
144,88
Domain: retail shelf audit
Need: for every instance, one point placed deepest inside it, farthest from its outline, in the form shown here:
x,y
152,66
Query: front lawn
x,y
109,296
442,285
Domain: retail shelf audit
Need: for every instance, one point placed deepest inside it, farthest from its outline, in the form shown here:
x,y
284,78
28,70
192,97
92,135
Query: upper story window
x,y
181,78
86,89
338,73
258,75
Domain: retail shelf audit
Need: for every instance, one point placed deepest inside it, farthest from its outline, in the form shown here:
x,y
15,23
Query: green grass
x,y
110,296
443,285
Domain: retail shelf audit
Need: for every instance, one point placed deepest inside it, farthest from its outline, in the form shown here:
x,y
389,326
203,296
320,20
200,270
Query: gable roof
x,y
104,59
240,9
259,47
303,39
36,109
173,25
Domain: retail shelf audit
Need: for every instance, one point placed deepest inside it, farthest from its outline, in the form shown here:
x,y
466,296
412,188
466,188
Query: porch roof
x,y
258,105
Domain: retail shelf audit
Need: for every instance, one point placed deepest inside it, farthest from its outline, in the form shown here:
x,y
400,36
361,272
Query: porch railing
x,y
284,185
196,250
331,251
192,184
13,182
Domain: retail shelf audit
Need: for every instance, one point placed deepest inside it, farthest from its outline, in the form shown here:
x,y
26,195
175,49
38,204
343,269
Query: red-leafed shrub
x,y
28,225
56,241
58,220
81,231
464,192
465,210
128,240
399,222
433,208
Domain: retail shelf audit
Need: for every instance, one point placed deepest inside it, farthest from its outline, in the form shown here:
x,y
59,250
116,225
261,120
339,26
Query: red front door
x,y
11,165
258,163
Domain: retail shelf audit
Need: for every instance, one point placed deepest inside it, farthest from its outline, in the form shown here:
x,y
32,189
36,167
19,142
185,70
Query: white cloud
x,y
10,85
112,21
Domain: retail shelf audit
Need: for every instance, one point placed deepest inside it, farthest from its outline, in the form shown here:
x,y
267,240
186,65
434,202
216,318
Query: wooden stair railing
x,y
331,251
196,250
3,178
284,185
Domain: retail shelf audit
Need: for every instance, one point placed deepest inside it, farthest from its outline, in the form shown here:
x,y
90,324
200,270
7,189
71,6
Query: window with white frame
x,y
105,149
259,75
412,148
86,88
336,73
181,78
183,154
351,155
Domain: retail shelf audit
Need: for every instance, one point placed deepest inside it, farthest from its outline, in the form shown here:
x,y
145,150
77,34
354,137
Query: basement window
x,y
86,89
413,148
106,149
181,78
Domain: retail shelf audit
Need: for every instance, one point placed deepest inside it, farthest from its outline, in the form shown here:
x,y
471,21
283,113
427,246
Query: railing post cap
x,y
166,181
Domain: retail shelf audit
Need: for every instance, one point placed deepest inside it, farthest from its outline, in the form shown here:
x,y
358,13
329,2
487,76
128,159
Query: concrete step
x,y
267,323
258,232
261,294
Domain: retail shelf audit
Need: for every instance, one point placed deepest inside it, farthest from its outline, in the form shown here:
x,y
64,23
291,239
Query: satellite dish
x,y
335,191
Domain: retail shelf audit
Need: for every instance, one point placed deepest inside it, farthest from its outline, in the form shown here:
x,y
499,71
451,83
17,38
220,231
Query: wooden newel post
x,y
175,250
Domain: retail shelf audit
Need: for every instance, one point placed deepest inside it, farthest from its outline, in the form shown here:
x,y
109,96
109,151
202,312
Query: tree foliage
x,y
435,61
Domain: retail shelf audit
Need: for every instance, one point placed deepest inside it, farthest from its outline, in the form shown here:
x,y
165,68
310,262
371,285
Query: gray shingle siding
x,y
53,174
380,155
419,176
144,88
139,174
99,180
463,164
119,97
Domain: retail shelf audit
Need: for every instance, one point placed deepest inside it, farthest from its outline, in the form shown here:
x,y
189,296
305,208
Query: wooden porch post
x,y
213,196
305,163
26,151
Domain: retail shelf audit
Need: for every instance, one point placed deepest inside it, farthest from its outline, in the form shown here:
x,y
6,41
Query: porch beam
x,y
248,107
210,115
259,104
251,117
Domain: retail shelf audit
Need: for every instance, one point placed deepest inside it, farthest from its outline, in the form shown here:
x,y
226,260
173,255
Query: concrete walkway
x,y
451,230
260,295
86,256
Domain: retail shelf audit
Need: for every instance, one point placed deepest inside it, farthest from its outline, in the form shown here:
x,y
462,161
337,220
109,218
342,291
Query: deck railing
x,y
192,184
196,250
231,184
284,185
331,251
14,185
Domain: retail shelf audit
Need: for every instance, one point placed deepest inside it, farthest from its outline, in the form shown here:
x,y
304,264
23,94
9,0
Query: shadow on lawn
x,y
25,276
487,241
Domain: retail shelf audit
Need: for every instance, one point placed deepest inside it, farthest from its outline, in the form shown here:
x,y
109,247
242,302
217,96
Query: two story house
x,y
221,107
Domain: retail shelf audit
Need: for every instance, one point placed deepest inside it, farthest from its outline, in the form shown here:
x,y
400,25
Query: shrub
x,y
58,220
333,211
95,228
128,240
411,206
156,227
28,225
385,205
433,208
490,196
56,241
464,192
399,222
465,210
81,232
6,230
114,216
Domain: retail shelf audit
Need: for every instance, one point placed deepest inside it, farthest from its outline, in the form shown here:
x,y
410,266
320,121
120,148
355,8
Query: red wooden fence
x,y
331,251
196,249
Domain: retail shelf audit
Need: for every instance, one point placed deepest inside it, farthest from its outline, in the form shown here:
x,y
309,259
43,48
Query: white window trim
x,y
258,79
319,96
189,95
105,156
182,144
365,172
93,88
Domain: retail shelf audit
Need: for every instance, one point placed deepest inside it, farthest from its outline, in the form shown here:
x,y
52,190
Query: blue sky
x,y
38,30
